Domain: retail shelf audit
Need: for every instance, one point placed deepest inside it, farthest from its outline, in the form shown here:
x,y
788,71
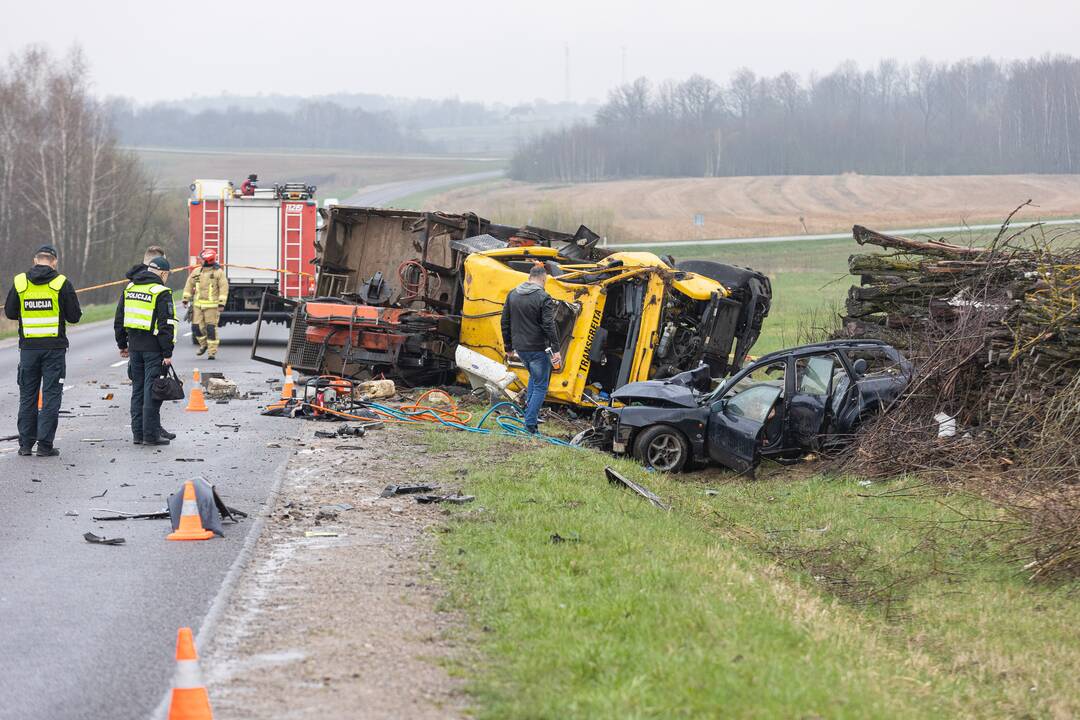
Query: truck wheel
x,y
662,448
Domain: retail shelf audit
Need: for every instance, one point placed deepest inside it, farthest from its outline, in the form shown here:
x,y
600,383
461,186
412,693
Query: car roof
x,y
821,347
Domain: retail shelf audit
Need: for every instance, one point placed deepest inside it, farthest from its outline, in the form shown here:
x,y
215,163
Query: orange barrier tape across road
x,y
189,267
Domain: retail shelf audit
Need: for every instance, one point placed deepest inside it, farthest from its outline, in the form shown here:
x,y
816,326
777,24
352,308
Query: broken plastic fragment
x,y
98,540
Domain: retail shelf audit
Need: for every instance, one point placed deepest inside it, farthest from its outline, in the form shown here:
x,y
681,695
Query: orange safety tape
x,y
189,267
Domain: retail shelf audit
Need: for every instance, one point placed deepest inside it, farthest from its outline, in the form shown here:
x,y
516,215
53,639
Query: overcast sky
x,y
505,50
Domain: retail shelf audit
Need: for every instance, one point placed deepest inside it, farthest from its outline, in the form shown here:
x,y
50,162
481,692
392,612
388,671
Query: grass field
x,y
335,174
664,209
792,596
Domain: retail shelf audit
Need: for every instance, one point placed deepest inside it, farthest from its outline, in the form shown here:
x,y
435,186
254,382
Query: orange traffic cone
x,y
196,401
190,527
288,388
190,701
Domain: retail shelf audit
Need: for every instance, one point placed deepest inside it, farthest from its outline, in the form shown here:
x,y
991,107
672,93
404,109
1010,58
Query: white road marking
x,y
118,364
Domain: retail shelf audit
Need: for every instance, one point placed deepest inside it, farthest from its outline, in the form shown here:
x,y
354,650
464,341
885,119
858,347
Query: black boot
x,y
166,434
47,451
156,441
26,450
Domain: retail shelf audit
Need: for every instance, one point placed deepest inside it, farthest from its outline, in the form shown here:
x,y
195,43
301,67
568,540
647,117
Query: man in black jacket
x,y
528,330
145,328
43,301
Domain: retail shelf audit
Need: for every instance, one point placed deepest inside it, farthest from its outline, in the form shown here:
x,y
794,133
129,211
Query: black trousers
x,y
44,370
143,369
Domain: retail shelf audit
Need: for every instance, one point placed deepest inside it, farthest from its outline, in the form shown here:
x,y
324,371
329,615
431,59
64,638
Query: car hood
x,y
656,392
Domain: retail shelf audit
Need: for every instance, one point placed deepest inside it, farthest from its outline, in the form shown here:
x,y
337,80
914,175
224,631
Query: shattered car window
x,y
754,403
878,360
815,374
754,395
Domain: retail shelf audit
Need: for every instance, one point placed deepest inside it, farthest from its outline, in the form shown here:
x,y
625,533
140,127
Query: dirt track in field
x,y
664,209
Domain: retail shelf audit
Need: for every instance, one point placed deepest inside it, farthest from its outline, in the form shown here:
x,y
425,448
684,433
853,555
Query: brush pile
x,y
994,333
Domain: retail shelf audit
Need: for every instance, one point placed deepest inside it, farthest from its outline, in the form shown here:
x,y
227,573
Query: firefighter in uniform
x,y
208,288
145,328
42,300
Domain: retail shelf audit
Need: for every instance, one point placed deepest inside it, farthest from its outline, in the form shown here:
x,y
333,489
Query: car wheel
x,y
662,448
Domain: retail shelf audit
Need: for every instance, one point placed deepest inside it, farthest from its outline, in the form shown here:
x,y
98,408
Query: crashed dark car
x,y
781,406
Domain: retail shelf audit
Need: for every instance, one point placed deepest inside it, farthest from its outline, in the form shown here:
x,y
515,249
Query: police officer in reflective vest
x,y
209,288
42,300
145,328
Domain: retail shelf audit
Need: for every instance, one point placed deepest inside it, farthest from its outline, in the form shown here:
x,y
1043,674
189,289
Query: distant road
x,y
829,236
380,195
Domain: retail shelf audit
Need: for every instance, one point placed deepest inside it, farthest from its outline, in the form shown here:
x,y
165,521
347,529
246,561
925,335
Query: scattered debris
x,y
189,460
348,447
103,494
319,533
120,515
9,437
336,506
99,540
455,499
391,490
556,538
616,479
108,396
71,513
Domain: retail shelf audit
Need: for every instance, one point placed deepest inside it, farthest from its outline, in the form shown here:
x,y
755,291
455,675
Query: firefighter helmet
x,y
209,256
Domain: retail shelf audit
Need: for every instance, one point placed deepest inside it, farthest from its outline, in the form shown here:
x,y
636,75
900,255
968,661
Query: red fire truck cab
x,y
265,242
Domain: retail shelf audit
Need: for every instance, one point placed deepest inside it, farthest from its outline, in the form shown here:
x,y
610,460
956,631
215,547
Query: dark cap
x,y
46,250
159,263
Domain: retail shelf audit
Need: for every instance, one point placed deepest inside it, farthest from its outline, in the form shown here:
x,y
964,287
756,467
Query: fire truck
x,y
265,242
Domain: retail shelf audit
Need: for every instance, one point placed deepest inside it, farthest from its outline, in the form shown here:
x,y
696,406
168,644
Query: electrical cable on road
x,y
509,425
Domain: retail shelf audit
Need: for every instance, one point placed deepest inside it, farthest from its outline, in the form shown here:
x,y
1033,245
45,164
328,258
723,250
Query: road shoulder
x,y
320,626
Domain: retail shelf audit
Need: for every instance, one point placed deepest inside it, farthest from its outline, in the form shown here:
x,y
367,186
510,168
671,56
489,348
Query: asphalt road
x,y
89,631
382,195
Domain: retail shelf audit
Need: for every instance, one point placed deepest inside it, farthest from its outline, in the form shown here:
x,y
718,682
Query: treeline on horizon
x,y
967,117
321,125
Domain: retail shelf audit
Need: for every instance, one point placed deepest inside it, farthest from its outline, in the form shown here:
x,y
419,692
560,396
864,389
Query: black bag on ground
x,y
168,386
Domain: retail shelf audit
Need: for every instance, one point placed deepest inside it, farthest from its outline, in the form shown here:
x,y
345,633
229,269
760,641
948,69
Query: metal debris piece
x,y
103,494
556,538
71,513
121,515
189,459
454,499
391,490
348,447
616,479
98,540
9,437
325,434
319,533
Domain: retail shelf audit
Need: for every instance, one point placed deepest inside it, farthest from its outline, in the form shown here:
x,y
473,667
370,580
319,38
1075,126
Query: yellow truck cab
x,y
627,317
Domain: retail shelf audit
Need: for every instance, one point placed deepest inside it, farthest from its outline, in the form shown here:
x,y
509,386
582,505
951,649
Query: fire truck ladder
x,y
292,284
211,223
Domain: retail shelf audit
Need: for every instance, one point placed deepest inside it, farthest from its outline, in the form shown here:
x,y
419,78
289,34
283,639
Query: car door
x,y
808,410
737,421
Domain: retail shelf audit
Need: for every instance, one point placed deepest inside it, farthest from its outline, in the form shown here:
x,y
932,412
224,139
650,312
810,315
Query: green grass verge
x,y
91,313
757,599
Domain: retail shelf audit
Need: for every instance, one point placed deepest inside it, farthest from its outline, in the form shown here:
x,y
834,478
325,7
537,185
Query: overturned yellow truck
x,y
418,297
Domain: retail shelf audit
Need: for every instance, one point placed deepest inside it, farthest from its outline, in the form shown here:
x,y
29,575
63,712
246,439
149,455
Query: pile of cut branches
x,y
994,333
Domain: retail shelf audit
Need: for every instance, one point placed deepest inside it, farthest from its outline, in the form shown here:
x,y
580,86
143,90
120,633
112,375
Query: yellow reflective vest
x,y
39,306
139,303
